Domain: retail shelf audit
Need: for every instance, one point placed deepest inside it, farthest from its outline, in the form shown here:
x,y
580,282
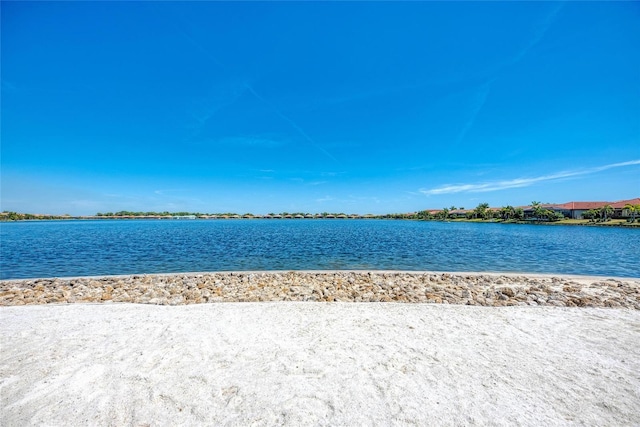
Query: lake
x,y
107,247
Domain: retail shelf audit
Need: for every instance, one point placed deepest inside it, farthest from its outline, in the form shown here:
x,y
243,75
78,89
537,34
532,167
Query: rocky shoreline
x,y
336,286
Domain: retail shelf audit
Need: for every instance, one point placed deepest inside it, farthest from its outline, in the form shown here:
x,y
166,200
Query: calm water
x,y
89,248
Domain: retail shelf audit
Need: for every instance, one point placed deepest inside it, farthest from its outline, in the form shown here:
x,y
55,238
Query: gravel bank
x,y
341,286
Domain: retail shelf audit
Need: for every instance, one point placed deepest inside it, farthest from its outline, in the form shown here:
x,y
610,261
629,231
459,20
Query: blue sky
x,y
356,107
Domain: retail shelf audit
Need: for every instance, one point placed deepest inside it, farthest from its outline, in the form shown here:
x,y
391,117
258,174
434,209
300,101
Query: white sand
x,y
318,364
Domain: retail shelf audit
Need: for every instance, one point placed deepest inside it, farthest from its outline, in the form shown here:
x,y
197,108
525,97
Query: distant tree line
x,y
16,216
150,213
482,212
199,214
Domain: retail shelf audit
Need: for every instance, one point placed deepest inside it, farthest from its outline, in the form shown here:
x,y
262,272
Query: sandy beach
x,y
306,363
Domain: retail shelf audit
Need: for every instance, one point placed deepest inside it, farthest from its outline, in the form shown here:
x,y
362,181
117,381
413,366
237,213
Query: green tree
x,y
553,216
507,212
605,212
538,211
633,210
424,215
443,214
14,216
488,214
591,214
518,213
479,211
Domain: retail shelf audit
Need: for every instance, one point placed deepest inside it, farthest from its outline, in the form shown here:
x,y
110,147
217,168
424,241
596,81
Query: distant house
x,y
620,211
576,210
184,217
529,212
459,213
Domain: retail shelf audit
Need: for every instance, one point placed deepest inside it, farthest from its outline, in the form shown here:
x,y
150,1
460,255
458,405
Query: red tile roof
x,y
582,205
596,205
622,203
543,205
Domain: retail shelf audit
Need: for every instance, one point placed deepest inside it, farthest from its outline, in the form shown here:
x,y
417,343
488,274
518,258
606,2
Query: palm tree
x,y
504,214
480,210
605,211
552,215
538,210
518,213
507,212
591,214
633,209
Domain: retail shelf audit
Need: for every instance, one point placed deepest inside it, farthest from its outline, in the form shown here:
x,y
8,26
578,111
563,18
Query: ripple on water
x,y
82,248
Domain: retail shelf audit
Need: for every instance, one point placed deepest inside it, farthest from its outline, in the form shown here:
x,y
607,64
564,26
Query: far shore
x,y
619,223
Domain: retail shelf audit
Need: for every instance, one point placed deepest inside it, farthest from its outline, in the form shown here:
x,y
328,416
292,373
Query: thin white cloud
x,y
540,31
332,174
163,192
480,99
291,122
482,93
191,40
519,182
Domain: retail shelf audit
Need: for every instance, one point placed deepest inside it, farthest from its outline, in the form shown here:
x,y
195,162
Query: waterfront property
x,y
576,210
622,209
